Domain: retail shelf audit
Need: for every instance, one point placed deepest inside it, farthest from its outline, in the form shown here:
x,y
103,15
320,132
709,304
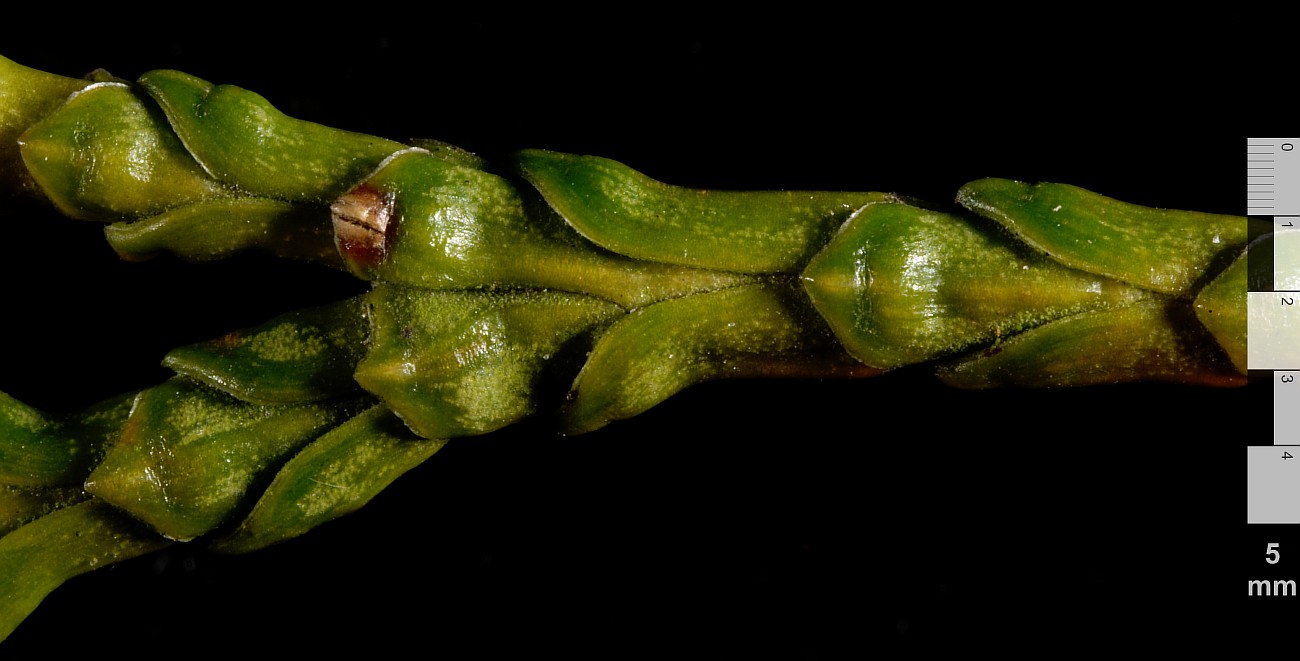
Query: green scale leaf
x,y
26,96
1221,308
189,455
433,223
38,450
627,212
902,285
1157,249
335,475
749,331
44,459
303,356
214,229
246,143
40,556
107,155
20,506
466,363
1152,341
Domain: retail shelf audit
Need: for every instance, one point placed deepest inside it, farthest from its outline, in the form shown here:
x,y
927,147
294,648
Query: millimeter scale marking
x,y
1273,325
1261,175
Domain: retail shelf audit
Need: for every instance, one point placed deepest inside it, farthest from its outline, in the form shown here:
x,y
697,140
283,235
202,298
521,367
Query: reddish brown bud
x,y
361,223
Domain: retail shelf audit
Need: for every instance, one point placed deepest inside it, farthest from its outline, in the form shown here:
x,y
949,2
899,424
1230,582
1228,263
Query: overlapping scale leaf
x,y
653,353
302,356
901,285
107,154
40,556
1221,308
189,456
1151,341
218,228
627,212
26,97
334,475
246,143
40,450
34,451
434,223
44,459
1158,249
464,363
22,505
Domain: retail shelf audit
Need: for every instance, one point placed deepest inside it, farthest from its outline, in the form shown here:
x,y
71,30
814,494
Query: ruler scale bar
x,y
1273,328
1264,194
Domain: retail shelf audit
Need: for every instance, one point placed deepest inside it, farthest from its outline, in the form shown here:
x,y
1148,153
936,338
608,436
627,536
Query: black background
x,y
804,519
